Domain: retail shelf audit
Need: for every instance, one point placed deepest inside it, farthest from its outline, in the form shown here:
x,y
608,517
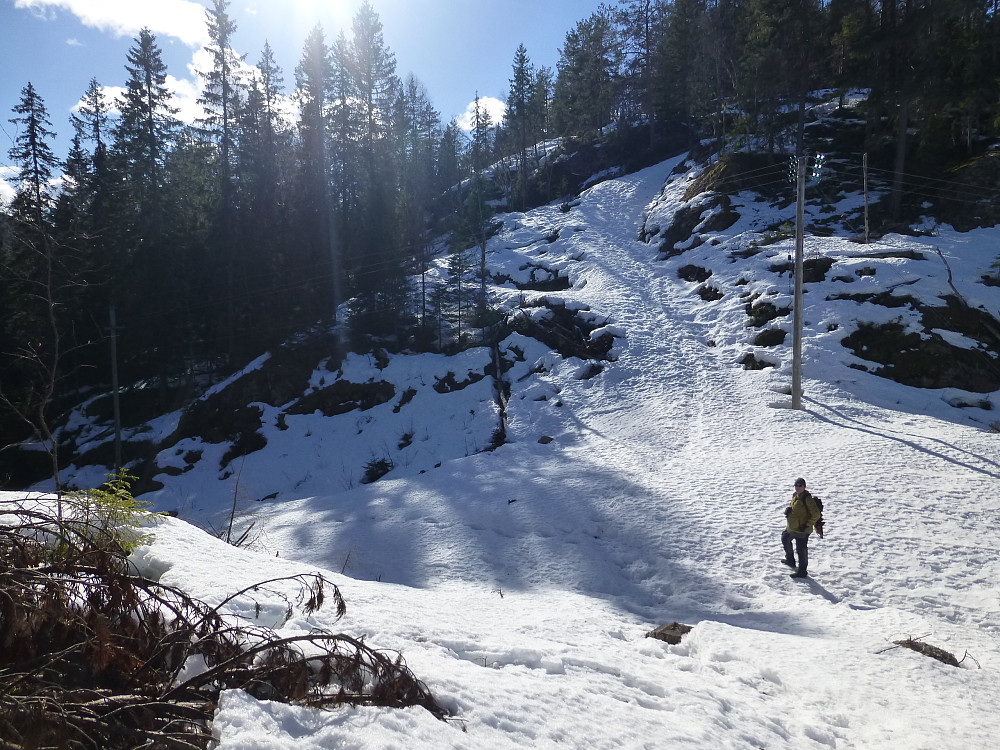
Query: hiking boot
x,y
789,563
799,574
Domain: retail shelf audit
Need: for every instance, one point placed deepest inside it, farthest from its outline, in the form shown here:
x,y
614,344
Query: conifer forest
x,y
315,191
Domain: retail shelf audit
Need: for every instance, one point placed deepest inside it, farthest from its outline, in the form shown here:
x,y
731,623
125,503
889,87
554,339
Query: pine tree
x,y
92,125
33,153
642,25
377,259
481,150
36,278
724,39
90,182
449,162
682,66
264,156
518,116
851,25
263,140
91,121
476,216
417,126
222,92
345,133
222,99
586,96
143,136
540,120
779,59
459,267
80,250
312,202
273,126
540,106
373,67
84,222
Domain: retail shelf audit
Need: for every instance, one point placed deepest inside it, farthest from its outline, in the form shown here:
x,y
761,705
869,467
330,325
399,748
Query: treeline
x,y
736,69
210,242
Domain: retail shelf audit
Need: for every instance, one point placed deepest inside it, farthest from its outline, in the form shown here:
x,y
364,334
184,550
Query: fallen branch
x,y
94,656
916,644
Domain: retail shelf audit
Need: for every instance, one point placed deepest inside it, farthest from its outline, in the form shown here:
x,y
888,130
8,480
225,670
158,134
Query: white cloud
x,y
184,96
111,96
182,19
186,93
74,43
494,106
7,191
202,62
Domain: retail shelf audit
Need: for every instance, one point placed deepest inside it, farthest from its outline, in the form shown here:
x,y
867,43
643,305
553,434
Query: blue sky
x,y
455,47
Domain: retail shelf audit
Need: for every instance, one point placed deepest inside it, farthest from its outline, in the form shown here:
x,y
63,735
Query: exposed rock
x,y
694,273
343,396
672,633
750,362
930,362
770,337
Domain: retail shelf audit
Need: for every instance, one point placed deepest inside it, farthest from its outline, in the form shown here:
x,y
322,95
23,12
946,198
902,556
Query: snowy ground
x,y
519,584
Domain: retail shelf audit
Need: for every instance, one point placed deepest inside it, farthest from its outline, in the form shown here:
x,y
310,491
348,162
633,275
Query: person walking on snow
x,y
803,514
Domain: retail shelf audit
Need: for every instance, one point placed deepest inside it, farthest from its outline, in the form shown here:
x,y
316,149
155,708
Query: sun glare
x,y
332,15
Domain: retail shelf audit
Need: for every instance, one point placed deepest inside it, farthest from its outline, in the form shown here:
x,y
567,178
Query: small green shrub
x,y
111,510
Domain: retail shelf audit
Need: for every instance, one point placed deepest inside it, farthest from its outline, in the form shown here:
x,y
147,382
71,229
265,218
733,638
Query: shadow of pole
x,y
851,423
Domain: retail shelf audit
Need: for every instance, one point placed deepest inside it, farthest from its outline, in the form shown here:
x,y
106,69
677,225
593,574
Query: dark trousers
x,y
801,546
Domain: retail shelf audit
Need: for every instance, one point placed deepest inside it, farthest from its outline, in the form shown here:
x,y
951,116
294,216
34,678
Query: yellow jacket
x,y
803,513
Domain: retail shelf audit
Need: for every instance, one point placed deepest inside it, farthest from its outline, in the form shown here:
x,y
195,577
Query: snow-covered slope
x,y
519,583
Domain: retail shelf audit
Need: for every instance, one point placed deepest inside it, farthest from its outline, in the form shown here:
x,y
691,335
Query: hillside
x,y
917,307
640,480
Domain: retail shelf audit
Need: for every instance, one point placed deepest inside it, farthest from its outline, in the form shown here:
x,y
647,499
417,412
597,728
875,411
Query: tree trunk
x,y
896,200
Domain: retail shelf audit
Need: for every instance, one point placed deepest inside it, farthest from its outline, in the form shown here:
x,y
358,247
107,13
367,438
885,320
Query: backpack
x,y
819,523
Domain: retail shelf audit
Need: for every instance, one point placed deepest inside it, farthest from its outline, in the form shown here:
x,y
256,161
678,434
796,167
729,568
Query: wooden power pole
x,y
800,201
114,389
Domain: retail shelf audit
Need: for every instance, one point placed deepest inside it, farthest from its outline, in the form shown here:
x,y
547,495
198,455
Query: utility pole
x,y
864,164
800,201
114,389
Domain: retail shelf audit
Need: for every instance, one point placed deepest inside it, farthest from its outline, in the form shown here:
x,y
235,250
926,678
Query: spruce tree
x,y
146,128
221,95
143,136
476,217
36,278
33,155
316,259
377,259
684,63
416,133
642,26
449,162
540,106
540,120
517,117
222,99
264,158
92,125
587,91
345,135
373,67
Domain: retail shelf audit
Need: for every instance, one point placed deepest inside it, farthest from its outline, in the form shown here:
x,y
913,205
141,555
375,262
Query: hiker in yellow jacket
x,y
803,515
